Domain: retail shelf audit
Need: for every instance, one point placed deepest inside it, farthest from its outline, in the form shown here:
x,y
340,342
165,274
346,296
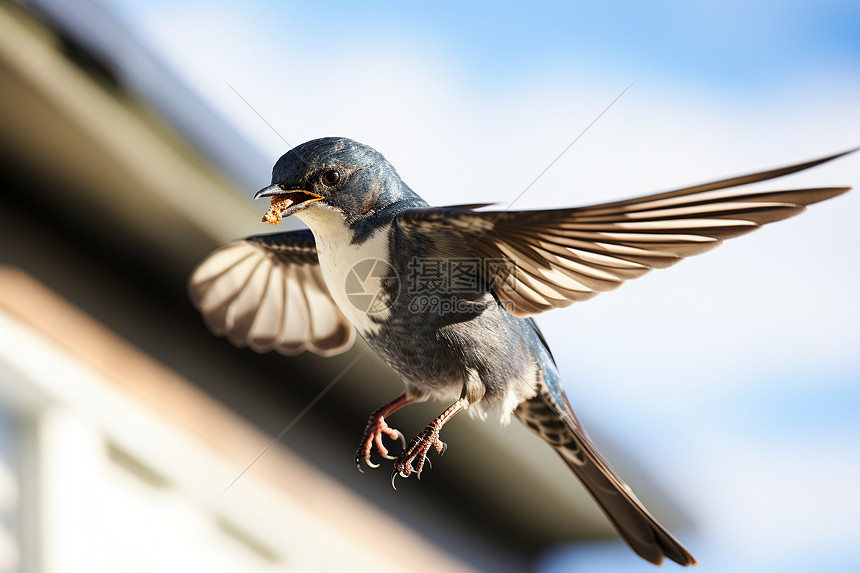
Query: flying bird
x,y
445,295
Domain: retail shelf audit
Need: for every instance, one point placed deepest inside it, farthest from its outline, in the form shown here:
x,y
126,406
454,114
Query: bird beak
x,y
285,202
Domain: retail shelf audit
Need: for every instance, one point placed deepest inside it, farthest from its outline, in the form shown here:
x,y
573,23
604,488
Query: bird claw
x,y
417,453
376,428
399,436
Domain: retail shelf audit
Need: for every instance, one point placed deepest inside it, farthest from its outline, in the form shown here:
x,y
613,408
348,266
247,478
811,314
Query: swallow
x,y
445,295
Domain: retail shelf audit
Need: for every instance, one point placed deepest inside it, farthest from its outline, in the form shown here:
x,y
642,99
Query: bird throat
x,y
354,272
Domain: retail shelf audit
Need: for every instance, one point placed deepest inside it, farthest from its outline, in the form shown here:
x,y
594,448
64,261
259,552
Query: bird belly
x,y
440,358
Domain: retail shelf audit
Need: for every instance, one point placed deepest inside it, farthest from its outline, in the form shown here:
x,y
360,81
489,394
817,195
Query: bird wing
x,y
540,260
267,292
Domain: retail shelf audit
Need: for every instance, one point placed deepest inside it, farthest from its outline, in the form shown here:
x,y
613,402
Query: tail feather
x,y
637,527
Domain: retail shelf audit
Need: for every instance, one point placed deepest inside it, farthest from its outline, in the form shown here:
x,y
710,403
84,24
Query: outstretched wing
x,y
267,292
551,259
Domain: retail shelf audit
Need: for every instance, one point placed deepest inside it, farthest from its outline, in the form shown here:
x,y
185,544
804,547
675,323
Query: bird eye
x,y
330,177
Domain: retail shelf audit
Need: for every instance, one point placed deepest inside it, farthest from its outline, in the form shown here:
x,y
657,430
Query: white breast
x,y
353,273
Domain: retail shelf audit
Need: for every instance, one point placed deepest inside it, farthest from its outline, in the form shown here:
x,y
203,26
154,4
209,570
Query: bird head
x,y
334,174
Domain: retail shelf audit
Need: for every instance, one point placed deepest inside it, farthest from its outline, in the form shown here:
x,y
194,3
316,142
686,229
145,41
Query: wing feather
x,y
267,293
269,319
560,256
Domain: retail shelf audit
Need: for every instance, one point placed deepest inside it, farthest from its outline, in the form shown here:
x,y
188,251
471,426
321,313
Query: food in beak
x,y
278,205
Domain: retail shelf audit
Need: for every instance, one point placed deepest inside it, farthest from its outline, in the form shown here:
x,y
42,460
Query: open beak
x,y
285,202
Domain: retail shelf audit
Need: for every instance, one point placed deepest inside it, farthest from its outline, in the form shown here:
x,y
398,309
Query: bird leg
x,y
417,449
376,428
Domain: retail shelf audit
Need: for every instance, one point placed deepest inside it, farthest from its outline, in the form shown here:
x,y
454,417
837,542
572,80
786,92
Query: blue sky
x,y
753,43
735,46
733,378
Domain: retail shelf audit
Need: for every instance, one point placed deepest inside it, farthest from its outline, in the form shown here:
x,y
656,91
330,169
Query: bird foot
x,y
416,452
376,428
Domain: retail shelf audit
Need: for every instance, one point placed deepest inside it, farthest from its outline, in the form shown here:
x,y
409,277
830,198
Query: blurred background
x,y
133,134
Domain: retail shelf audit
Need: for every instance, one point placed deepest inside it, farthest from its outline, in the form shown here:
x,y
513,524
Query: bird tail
x,y
637,527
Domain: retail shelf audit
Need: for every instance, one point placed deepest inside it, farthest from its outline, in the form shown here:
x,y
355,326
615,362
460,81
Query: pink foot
x,y
376,428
